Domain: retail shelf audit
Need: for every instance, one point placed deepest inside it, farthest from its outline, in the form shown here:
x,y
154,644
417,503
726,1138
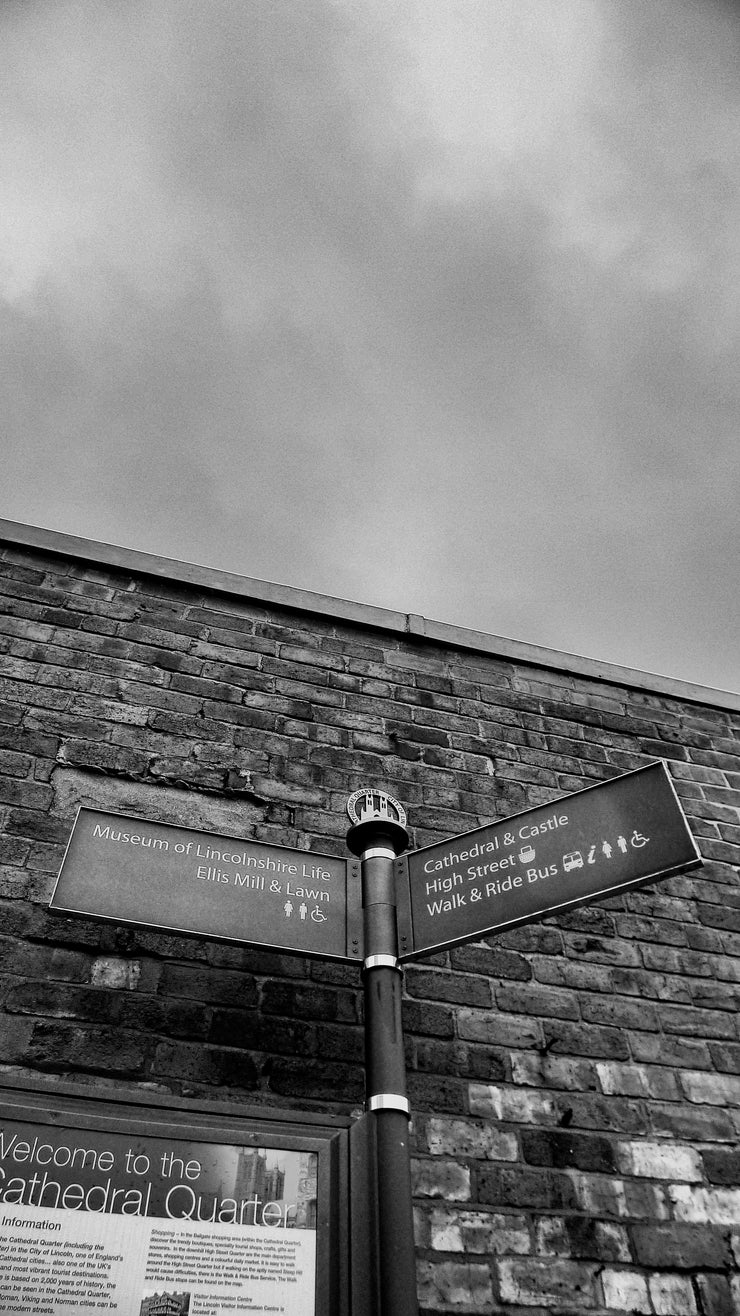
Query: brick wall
x,y
575,1084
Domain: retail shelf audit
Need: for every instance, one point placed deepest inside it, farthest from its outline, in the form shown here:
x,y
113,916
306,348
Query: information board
x,y
152,1212
597,842
134,870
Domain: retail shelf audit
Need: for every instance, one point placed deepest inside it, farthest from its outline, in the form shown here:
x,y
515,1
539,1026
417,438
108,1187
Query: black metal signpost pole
x,y
377,838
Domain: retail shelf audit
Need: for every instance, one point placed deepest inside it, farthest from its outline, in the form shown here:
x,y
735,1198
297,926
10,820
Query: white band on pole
x,y
389,1101
381,962
379,852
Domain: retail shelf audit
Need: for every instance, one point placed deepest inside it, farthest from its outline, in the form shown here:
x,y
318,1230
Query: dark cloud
x,y
433,307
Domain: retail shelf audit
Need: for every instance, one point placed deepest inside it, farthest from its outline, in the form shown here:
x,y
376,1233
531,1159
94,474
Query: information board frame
x,y
59,1111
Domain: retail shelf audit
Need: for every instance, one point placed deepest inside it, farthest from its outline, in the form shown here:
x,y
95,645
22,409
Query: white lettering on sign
x,y
536,829
456,901
481,870
443,884
452,860
44,1153
508,884
109,833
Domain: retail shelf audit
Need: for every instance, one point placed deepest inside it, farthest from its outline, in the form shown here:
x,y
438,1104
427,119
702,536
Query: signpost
x,y
381,909
598,842
157,875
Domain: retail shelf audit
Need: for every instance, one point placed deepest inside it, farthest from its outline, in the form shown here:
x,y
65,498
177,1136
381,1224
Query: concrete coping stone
x,y
409,625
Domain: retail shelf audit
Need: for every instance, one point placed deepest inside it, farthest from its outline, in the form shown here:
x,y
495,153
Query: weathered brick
x,y
463,990
696,1023
498,1030
210,1065
672,1295
166,1018
625,1290
478,1232
566,973
535,1069
446,1179
64,1046
681,1246
716,1206
548,1283
711,1089
560,1149
580,1237
601,950
315,1080
309,1002
39,827
651,930
586,1040
51,963
13,764
619,1013
491,960
338,1043
467,1062
17,917
63,1001
518,1106
594,1112
216,986
543,1001
715,1295
721,1165
609,1197
657,1049
451,1286
469,1138
701,1123
655,1160
252,1031
541,1190
15,1039
33,795
430,1092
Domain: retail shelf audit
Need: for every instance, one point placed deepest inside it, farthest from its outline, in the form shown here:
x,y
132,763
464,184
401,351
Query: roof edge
x,y
408,624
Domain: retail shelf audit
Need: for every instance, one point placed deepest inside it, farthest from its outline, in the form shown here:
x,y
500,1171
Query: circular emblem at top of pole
x,y
371,805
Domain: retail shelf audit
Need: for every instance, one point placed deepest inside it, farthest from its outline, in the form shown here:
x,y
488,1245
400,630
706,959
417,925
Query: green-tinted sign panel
x,y
595,843
133,870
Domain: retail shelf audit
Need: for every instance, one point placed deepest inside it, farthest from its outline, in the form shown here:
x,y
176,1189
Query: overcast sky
x,y
429,304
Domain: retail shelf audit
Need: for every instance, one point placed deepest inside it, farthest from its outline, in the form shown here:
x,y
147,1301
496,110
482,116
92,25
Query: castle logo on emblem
x,y
369,804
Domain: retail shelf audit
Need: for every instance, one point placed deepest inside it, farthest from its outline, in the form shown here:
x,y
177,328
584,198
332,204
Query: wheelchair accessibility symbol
x,y
637,840
318,915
